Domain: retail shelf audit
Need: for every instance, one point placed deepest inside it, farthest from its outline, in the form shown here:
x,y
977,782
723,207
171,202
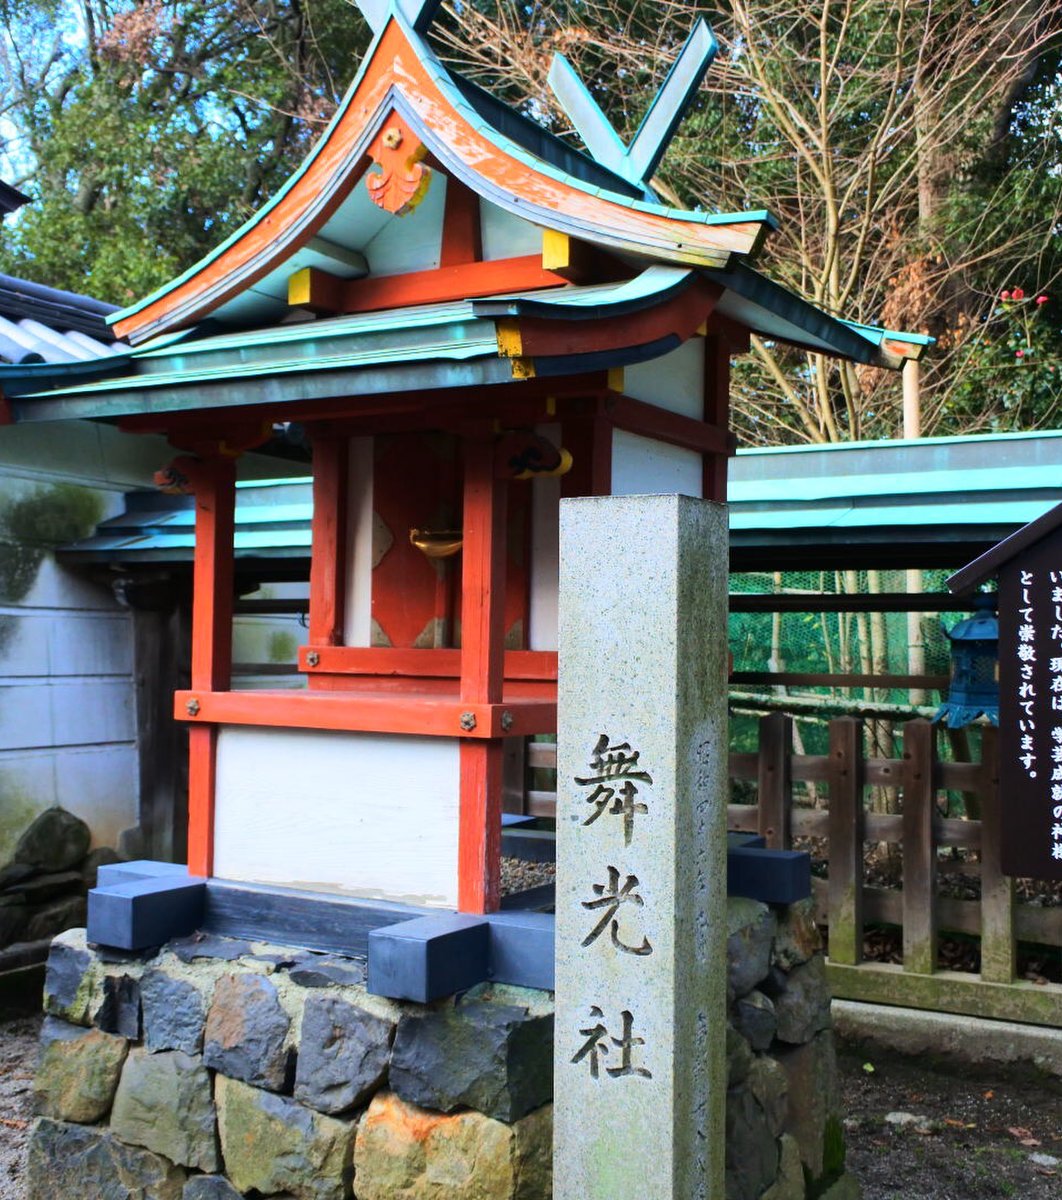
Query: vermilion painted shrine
x,y
471,319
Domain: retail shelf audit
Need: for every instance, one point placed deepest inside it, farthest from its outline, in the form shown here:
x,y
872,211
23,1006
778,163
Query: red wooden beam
x,y
483,557
534,665
462,281
328,554
680,316
419,714
635,416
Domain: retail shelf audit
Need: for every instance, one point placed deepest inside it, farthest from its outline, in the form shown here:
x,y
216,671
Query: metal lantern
x,y
974,690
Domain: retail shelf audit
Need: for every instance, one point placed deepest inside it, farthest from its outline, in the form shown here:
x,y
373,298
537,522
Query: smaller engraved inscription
x,y
611,897
597,1046
613,772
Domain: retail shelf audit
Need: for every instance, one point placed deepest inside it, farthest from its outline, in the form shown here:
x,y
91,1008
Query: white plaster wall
x,y
645,467
545,554
357,630
372,815
674,381
506,236
412,242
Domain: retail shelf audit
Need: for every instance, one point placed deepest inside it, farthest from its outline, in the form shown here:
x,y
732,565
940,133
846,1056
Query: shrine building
x,y
468,319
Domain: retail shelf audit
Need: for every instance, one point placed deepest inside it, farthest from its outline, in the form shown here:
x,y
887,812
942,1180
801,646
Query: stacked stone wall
x,y
45,879
218,1068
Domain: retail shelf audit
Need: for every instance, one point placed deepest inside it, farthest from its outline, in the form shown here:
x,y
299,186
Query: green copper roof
x,y
942,496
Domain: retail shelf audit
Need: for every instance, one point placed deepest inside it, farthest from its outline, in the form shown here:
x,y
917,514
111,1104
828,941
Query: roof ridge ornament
x,y
418,14
637,162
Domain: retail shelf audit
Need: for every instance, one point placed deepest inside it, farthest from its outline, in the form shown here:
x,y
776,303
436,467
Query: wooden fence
x,y
846,904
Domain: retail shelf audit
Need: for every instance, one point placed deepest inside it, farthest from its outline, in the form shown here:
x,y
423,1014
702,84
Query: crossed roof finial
x,y
419,14
637,162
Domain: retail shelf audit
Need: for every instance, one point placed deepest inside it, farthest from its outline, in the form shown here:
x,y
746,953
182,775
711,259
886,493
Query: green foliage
x,y
1015,355
161,127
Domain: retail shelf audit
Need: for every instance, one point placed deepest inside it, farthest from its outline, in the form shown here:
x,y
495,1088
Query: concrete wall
x,y
67,700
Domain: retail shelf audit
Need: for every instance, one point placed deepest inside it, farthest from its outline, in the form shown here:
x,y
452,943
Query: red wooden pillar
x,y
214,484
588,438
716,411
328,554
482,670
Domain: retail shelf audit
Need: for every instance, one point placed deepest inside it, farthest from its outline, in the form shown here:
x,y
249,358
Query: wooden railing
x,y
846,904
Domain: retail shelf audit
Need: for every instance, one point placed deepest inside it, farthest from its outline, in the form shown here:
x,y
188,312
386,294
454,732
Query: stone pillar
x,y
640,1076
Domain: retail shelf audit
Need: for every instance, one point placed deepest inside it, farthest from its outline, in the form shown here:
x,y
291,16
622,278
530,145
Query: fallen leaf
x,y
1019,1131
990,1095
1030,1142
12,1123
956,1124
868,1068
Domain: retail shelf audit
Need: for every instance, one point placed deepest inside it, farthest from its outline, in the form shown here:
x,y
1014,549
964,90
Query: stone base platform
x,y
215,1068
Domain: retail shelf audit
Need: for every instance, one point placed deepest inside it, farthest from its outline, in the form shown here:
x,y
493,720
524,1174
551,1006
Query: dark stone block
x,y
15,872
208,945
739,1057
521,949
495,1058
165,1103
40,888
751,1148
120,1010
429,957
65,983
803,1008
343,1054
748,948
246,1030
174,1013
77,1073
145,912
13,920
755,1019
75,1160
772,876
210,1187
774,983
55,917
56,841
119,870
324,972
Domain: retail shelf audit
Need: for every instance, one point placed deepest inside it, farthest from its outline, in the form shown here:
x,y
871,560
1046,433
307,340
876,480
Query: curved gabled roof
x,y
401,75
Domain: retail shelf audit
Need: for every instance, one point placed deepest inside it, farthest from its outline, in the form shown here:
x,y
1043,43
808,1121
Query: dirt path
x,y
18,1055
955,1133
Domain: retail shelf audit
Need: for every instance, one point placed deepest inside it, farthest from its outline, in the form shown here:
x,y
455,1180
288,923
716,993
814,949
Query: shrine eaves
x,y
511,236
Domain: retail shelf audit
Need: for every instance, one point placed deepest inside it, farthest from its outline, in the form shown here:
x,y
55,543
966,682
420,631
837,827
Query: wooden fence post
x,y
774,785
919,848
847,821
998,957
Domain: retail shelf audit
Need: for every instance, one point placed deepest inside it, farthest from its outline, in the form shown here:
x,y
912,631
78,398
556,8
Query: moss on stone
x,y
283,647
17,812
53,515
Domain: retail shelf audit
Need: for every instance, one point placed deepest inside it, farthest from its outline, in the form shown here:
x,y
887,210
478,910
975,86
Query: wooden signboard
x,y
1029,568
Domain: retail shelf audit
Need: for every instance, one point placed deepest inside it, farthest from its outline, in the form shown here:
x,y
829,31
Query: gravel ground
x,y
18,1056
915,1130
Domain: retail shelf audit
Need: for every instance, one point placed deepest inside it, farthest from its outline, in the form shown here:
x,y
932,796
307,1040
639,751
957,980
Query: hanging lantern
x,y
974,690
